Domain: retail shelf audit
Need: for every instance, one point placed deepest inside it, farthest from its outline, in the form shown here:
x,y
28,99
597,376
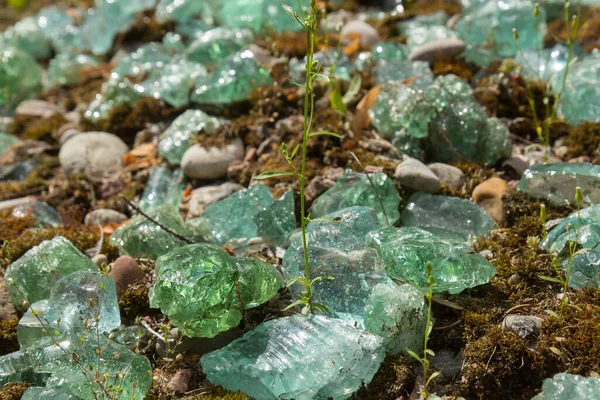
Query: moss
x,y
35,181
393,380
34,128
459,68
589,36
134,302
584,139
13,390
518,204
8,336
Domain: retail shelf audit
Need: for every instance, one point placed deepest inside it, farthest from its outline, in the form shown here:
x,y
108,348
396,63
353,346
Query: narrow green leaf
x,y
414,355
273,174
325,133
299,279
318,77
556,351
305,310
335,98
290,11
430,352
551,313
432,377
294,304
321,278
295,150
320,307
549,279
353,89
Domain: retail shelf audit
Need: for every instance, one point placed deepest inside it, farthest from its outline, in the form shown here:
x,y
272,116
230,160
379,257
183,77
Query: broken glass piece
x,y
585,270
20,77
27,36
259,281
569,387
65,69
116,91
216,44
42,213
277,222
163,187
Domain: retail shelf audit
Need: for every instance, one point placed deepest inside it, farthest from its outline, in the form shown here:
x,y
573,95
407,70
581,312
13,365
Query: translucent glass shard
x,y
297,357
276,223
42,213
259,281
569,387
27,36
163,187
216,44
20,77
65,69
586,222
114,92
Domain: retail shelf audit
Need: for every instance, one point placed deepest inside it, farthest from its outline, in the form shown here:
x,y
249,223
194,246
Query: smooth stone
x,y
515,167
523,325
96,153
37,108
415,175
448,362
448,175
125,272
438,50
68,131
99,260
297,357
570,387
180,382
368,34
488,195
203,197
212,163
103,216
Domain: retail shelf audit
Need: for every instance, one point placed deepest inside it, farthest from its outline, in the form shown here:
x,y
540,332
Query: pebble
x,y
523,325
488,195
413,174
180,382
438,50
103,216
95,153
37,108
448,174
99,260
515,279
67,131
201,163
368,35
207,195
125,272
515,167
448,362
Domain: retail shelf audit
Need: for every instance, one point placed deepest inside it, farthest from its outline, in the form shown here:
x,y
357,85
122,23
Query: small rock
x,y
488,195
438,50
561,152
99,260
125,272
103,216
37,108
95,153
368,35
451,23
207,195
553,222
67,131
487,254
201,163
413,174
515,279
180,382
522,325
515,167
449,175
448,362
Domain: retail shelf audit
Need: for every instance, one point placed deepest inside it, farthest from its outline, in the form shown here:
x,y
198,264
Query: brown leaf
x,y
361,118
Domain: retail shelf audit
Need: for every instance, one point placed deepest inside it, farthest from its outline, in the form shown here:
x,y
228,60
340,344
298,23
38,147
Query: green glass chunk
x,y
36,393
163,187
116,91
257,15
557,182
278,221
398,315
34,273
586,222
6,141
393,70
337,249
420,34
216,44
488,29
65,69
129,336
183,10
433,19
354,189
196,286
27,36
313,357
569,387
241,207
259,281
437,213
406,251
222,87
146,58
585,270
385,51
20,77
42,213
31,329
176,139
143,238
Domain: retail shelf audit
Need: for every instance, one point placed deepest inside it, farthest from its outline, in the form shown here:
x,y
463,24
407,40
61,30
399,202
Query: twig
x,y
161,226
387,222
152,331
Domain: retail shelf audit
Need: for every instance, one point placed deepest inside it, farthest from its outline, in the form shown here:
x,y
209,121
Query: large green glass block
x,y
419,35
406,251
216,44
398,315
393,71
298,357
196,287
163,187
557,182
585,221
259,281
569,387
182,11
20,77
278,221
257,15
42,213
385,51
35,272
27,36
32,329
433,19
232,81
354,189
84,300
36,393
146,58
440,214
116,91
488,29
176,139
544,64
53,21
233,217
6,141
337,249
585,270
580,100
65,69
143,238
